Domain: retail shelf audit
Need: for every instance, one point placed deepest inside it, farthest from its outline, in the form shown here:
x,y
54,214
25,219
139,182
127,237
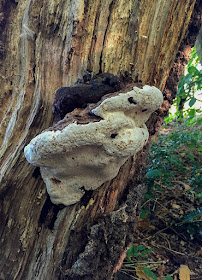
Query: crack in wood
x,y
105,35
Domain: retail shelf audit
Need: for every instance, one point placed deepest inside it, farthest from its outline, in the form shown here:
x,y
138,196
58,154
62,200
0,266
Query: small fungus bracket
x,y
88,147
66,99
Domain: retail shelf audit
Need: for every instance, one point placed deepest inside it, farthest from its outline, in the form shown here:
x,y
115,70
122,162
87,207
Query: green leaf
x,y
199,149
181,81
130,260
148,271
192,101
148,196
191,69
183,95
187,78
148,251
192,112
153,173
168,277
179,89
144,256
143,213
132,251
168,119
140,247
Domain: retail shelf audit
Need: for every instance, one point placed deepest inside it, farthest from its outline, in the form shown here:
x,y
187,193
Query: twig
x,y
188,222
152,199
154,206
127,269
146,262
162,230
146,202
170,227
175,272
161,204
166,240
179,253
181,235
129,275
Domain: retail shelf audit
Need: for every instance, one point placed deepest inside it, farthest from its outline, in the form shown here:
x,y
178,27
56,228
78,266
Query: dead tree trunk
x,y
45,45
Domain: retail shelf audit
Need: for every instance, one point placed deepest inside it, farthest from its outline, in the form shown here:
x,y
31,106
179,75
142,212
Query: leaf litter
x,y
171,222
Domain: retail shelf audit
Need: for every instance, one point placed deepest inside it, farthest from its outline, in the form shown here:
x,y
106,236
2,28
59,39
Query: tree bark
x,y
45,45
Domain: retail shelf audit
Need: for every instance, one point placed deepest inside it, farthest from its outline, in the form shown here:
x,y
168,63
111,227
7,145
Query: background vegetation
x,y
174,188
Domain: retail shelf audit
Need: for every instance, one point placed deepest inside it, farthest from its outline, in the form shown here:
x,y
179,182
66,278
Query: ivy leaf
x,y
148,251
132,251
148,271
144,256
140,247
153,173
192,101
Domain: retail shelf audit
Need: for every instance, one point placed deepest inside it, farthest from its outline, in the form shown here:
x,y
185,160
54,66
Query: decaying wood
x,y
45,45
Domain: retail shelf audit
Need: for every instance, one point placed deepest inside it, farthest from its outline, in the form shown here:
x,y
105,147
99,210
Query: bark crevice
x,y
105,35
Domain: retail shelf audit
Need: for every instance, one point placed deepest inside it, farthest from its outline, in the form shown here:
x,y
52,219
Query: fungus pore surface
x,y
81,157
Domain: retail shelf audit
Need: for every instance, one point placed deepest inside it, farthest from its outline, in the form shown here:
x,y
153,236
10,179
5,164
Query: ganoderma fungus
x,y
77,155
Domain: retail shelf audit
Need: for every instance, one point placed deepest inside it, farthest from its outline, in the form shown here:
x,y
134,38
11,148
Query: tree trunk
x,y
45,45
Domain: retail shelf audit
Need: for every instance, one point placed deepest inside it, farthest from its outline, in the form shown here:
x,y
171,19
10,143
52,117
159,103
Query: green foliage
x,y
174,154
192,217
177,154
141,251
192,222
148,271
154,173
138,251
187,87
144,212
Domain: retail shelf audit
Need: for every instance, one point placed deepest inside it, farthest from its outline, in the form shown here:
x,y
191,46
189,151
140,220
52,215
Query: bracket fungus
x,y
77,155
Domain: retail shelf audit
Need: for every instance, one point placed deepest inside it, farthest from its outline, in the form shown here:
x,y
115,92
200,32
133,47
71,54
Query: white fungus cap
x,y
84,156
